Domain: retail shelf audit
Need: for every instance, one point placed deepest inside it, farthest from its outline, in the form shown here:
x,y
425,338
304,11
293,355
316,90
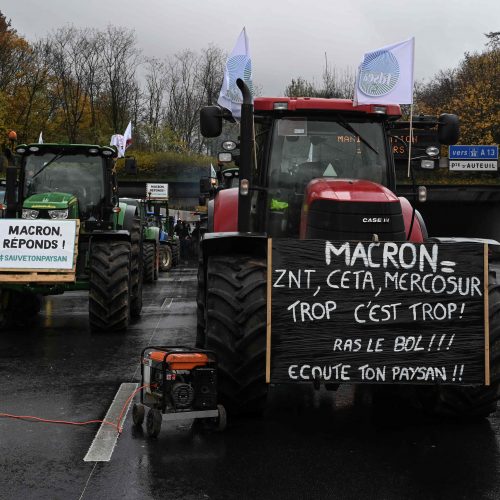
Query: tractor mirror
x,y
211,121
130,166
448,129
205,185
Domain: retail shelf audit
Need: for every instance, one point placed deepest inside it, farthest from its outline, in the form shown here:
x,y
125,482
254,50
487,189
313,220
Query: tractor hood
x,y
348,190
51,201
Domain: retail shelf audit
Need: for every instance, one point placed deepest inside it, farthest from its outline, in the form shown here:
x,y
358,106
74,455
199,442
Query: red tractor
x,y
308,168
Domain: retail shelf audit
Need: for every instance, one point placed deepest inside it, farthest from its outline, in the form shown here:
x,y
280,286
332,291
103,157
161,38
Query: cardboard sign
x,y
37,244
385,312
157,191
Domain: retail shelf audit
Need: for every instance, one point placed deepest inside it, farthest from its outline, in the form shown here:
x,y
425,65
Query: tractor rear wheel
x,y
235,323
109,293
149,262
165,258
136,272
156,272
176,255
469,403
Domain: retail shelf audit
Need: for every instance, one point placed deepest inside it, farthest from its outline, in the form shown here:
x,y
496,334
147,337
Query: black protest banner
x,y
382,312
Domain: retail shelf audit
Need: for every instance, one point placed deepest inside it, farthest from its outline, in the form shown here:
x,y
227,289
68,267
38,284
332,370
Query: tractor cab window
x,y
80,175
304,149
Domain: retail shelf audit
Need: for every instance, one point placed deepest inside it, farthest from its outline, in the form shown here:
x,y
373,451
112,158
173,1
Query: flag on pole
x,y
118,142
40,138
127,136
213,173
386,75
238,65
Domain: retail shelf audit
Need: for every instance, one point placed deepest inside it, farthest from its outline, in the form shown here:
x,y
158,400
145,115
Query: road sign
x,y
157,191
471,166
475,153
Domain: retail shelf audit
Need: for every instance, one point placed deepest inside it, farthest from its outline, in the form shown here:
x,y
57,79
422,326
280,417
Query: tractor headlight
x,y
29,213
58,214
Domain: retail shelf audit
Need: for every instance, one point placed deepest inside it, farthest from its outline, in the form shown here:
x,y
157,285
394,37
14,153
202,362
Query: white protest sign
x,y
37,244
156,191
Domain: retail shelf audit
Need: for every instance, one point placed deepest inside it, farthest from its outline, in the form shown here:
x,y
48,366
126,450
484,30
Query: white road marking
x,y
104,442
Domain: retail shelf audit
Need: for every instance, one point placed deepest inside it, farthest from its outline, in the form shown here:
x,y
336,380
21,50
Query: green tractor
x,y
78,182
161,246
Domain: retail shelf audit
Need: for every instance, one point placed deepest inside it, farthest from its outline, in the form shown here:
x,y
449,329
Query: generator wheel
x,y
136,272
469,403
138,413
153,422
235,318
109,292
165,258
149,262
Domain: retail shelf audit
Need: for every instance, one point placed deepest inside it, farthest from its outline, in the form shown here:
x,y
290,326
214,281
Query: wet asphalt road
x,y
310,445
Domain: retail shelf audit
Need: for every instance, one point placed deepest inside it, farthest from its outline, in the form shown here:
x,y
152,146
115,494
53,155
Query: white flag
x,y
127,136
118,141
213,173
386,75
238,65
40,138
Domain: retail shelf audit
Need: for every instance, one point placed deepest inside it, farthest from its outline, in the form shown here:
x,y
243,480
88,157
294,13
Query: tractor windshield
x,y
80,175
305,149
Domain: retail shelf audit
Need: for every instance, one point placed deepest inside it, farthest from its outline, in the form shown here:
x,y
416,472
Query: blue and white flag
x,y
238,65
386,75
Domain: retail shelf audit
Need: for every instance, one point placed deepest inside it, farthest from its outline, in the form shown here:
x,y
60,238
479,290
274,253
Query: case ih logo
x,y
376,220
379,73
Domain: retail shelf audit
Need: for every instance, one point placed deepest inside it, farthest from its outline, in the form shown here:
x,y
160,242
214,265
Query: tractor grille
x,y
335,220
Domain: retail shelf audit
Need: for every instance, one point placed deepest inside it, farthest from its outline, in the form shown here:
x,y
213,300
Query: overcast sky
x,y
288,38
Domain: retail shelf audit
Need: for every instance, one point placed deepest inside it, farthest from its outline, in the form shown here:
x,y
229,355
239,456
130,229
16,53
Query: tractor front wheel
x,y
109,293
235,328
149,262
165,258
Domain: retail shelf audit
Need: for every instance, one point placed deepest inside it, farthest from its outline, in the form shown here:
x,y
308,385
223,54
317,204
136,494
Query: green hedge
x,y
167,166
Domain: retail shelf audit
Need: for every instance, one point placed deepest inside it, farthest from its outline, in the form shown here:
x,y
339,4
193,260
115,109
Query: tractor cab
x,y
317,168
66,181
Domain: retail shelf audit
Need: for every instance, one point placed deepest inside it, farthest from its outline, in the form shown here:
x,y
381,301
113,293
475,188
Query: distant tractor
x,y
62,182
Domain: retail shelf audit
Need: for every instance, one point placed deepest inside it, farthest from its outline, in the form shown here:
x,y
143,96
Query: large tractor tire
x,y
156,272
469,403
176,253
109,294
149,262
200,307
235,328
136,271
165,258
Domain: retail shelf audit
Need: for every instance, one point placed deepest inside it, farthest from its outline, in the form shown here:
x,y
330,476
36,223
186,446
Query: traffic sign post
x,y
473,158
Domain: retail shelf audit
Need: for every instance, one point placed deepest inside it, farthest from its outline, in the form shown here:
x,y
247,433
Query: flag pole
x,y
411,138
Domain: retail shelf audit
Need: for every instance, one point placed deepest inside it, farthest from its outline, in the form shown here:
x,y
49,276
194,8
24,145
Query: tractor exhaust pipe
x,y
246,157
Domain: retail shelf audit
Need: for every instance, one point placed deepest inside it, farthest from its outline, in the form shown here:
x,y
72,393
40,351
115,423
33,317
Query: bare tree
x,y
120,57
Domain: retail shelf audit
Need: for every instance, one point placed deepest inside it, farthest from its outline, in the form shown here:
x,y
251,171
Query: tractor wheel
x,y
109,293
149,262
156,272
469,403
165,258
136,272
235,319
200,307
176,255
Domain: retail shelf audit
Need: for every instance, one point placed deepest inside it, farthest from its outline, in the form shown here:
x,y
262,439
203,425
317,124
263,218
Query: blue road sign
x,y
473,152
